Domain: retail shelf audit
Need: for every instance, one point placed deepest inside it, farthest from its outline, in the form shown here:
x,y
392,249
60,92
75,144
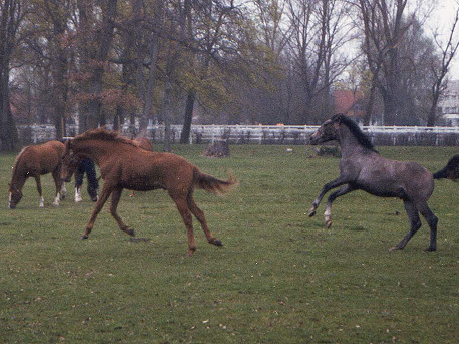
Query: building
x,y
448,104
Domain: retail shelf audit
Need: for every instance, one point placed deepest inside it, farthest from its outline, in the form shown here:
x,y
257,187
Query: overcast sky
x,y
442,17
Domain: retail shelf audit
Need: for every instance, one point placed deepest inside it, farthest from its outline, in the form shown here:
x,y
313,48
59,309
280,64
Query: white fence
x,y
299,134
270,134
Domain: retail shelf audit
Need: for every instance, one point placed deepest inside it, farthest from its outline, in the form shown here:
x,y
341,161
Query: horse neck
x,y
348,142
18,178
96,150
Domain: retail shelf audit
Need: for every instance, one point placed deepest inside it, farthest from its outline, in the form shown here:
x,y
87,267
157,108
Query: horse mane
x,y
104,135
363,138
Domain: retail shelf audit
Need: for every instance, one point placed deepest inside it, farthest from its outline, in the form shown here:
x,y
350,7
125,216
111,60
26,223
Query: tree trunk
x,y
390,107
103,41
432,116
8,25
148,106
369,106
165,114
186,130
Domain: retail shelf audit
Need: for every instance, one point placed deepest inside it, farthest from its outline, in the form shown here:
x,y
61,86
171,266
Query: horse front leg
x,y
116,196
328,212
106,191
38,181
327,187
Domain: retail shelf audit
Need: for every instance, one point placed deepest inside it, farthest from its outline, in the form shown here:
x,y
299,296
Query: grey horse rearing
x,y
363,168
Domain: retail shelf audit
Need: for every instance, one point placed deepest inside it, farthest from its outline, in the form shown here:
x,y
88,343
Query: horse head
x,y
450,171
327,131
70,162
14,196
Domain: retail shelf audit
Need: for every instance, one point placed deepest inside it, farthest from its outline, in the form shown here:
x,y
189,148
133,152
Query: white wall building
x,y
448,104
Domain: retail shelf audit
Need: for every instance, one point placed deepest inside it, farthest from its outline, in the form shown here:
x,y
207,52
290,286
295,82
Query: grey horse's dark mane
x,y
363,138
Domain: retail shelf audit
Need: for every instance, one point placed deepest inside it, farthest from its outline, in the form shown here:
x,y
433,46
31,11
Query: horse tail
x,y
212,184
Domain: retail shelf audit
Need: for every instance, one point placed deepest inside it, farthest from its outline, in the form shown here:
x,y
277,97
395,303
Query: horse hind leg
x,y
58,183
38,181
116,195
199,214
432,220
413,215
185,212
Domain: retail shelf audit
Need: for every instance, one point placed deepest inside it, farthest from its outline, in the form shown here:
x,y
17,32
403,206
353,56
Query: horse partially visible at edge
x,y
124,165
450,171
363,168
34,161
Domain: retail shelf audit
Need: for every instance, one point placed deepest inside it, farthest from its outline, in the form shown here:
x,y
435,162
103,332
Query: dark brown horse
x,y
450,171
124,165
362,167
34,161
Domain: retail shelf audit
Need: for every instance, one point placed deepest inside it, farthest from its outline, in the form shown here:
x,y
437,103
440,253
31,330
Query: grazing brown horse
x,y
143,143
450,171
363,168
34,161
124,165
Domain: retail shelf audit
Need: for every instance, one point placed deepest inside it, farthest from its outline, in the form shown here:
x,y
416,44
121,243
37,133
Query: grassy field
x,y
280,278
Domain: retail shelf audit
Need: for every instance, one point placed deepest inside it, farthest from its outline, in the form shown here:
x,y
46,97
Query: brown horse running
x,y
124,165
363,168
34,161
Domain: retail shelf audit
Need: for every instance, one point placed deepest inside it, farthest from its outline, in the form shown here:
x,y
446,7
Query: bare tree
x,y
11,15
440,70
94,57
319,31
385,24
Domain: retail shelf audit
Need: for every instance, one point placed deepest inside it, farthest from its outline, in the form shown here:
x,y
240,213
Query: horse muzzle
x,y
440,174
314,139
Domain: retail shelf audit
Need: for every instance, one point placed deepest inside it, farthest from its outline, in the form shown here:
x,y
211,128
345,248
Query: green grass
x,y
280,278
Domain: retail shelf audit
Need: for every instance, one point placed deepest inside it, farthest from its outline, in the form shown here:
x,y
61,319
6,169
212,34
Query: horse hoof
x,y
216,242
311,212
392,249
191,251
130,232
84,237
328,223
430,249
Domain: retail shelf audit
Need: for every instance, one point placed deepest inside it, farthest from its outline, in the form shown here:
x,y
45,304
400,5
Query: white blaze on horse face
x,y
42,202
9,200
